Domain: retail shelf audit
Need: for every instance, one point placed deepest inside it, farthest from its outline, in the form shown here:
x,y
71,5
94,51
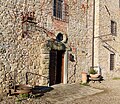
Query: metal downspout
x,y
93,33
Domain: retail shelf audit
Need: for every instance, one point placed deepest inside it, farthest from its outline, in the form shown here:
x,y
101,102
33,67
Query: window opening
x,y
113,28
57,8
112,61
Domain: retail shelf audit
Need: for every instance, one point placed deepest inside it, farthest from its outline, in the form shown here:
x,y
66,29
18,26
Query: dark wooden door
x,y
53,67
56,68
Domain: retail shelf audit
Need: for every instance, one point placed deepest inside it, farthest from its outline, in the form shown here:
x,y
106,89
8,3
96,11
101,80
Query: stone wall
x,y
22,52
23,46
80,38
80,30
109,10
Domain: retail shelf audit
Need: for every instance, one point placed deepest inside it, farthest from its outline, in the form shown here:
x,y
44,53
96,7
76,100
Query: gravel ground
x,y
111,94
75,94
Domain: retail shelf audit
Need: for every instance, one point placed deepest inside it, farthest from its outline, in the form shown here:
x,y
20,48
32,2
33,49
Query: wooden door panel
x,y
52,67
56,68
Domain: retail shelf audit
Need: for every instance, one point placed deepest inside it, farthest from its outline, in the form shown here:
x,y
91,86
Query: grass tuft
x,y
84,84
116,78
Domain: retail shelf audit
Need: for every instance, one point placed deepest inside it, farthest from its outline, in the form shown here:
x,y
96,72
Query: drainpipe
x,y
93,33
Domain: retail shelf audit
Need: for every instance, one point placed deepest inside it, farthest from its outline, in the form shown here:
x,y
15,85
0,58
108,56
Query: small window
x,y
112,56
57,8
113,28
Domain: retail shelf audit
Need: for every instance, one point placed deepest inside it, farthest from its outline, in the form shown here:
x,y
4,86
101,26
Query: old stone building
x,y
106,40
53,41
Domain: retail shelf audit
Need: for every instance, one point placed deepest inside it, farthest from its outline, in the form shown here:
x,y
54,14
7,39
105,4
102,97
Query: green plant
x,y
116,78
92,71
21,97
84,84
24,95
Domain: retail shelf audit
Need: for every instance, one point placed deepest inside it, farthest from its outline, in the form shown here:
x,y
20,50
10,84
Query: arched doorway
x,y
57,73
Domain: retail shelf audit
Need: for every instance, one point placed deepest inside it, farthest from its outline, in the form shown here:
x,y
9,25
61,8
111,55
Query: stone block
x,y
45,62
45,56
45,51
2,50
45,71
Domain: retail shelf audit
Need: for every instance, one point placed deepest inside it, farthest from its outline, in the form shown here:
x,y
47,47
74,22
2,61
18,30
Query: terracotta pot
x,y
22,89
84,77
94,75
23,86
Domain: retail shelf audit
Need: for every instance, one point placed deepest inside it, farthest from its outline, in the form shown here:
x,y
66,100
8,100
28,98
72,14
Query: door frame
x,y
64,67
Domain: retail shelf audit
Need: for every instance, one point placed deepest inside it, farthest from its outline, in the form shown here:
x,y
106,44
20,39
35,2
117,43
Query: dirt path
x,y
107,92
59,95
111,95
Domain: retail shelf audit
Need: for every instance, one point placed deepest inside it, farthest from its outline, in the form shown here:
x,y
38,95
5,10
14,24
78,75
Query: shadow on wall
x,y
71,57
